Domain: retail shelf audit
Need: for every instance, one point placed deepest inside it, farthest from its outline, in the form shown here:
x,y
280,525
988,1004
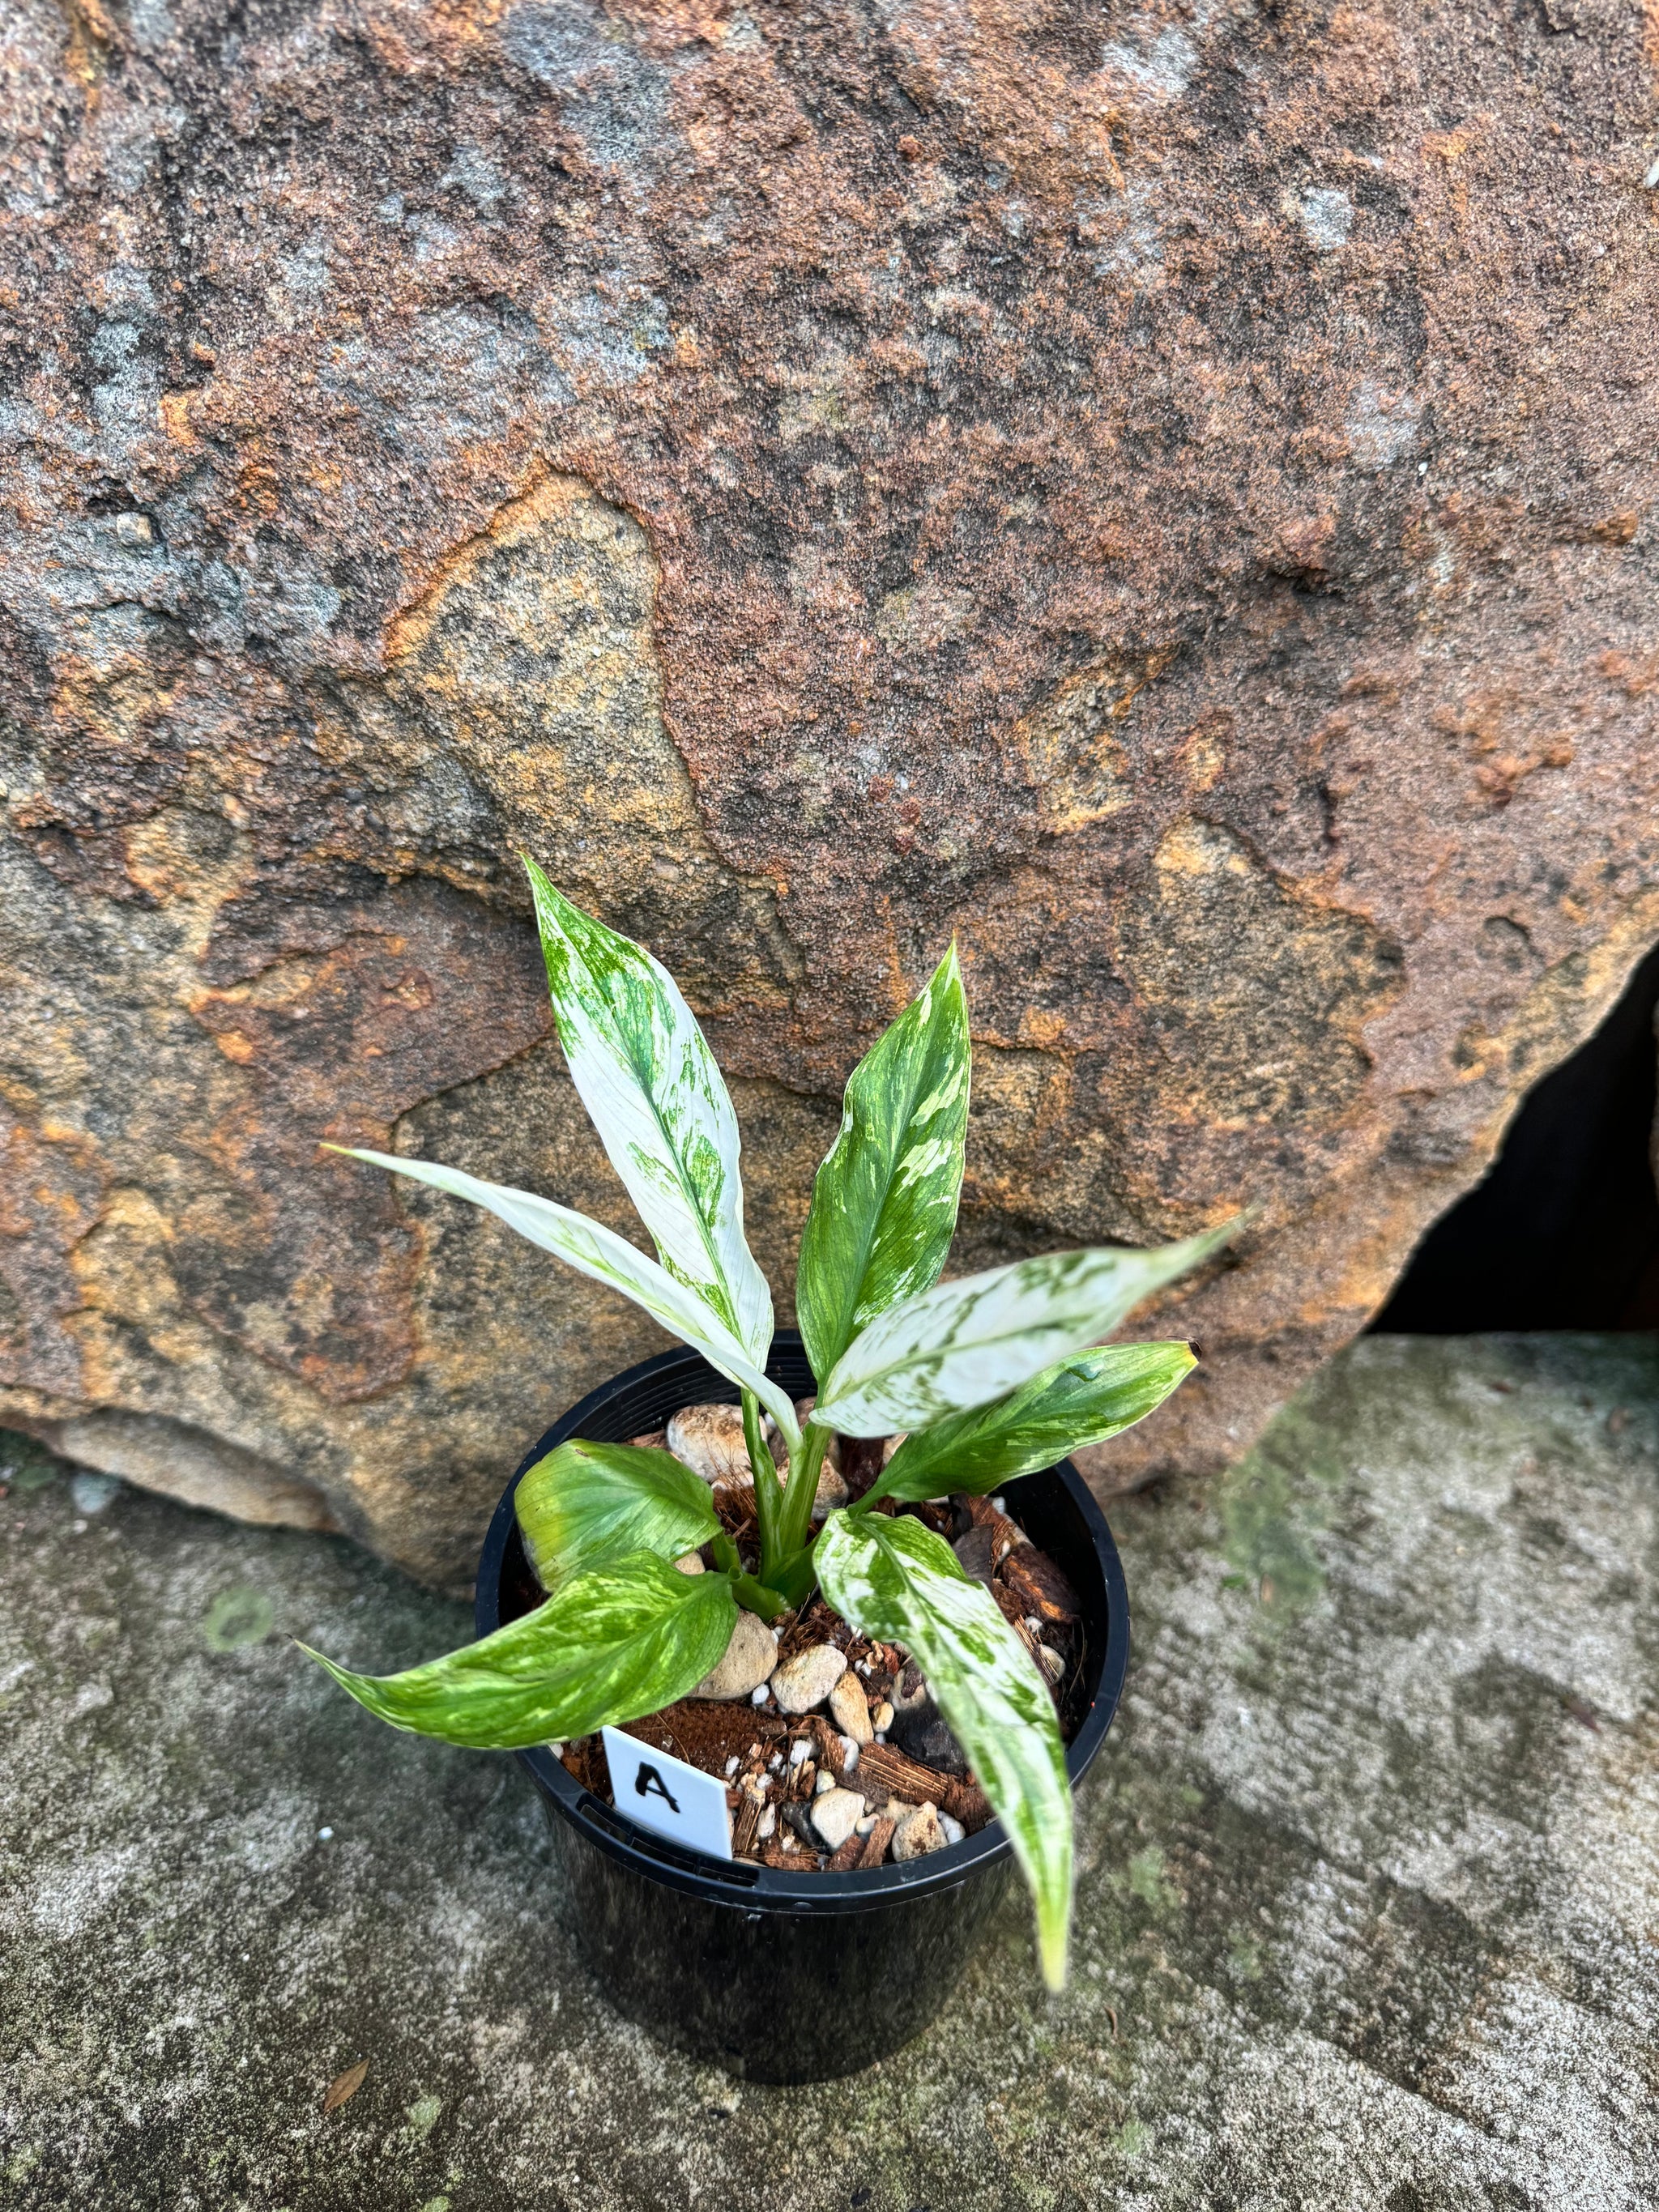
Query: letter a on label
x,y
664,1794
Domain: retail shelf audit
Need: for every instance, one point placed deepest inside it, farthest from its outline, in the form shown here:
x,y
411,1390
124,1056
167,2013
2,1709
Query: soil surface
x,y
1366,1912
775,1763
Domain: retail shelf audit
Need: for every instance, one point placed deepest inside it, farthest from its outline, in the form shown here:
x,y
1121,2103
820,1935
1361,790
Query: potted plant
x,y
638,1576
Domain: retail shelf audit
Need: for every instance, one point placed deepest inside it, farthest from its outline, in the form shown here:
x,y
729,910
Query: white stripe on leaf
x,y
650,1084
884,1201
962,1344
894,1579
598,1253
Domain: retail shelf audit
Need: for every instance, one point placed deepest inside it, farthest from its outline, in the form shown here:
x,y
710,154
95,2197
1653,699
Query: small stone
x,y
768,1822
690,1565
732,1764
750,1657
1050,1661
850,1709
824,1781
760,1693
800,1750
882,1719
836,1813
865,1825
806,1680
954,1831
849,1752
919,1833
709,1440
92,1493
134,531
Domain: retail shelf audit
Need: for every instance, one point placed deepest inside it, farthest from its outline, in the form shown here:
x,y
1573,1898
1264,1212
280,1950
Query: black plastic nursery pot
x,y
786,1977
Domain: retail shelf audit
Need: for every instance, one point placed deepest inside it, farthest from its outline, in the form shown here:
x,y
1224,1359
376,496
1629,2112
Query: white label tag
x,y
666,1795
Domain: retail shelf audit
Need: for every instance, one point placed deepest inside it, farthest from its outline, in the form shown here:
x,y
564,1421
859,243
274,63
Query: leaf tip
x,y
1054,1945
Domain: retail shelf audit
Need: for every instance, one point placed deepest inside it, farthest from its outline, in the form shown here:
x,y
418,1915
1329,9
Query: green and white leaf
x,y
651,1084
598,1253
587,1505
1080,1401
884,1202
617,1643
962,1344
894,1579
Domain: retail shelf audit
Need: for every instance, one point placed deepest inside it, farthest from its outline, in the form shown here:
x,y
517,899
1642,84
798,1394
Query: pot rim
x,y
742,1882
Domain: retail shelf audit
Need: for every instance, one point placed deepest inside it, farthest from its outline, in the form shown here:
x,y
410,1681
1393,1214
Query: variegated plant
x,y
989,1378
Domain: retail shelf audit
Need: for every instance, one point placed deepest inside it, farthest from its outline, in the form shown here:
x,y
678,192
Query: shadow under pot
x,y
786,1977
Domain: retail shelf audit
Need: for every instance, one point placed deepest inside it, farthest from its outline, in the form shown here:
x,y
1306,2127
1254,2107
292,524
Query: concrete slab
x,y
1369,1912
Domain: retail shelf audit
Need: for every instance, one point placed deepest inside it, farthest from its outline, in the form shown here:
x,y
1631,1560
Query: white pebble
x,y
732,1764
849,1754
835,1816
759,1694
806,1680
326,1835
825,1781
954,1831
800,1750
768,1823
1001,1505
865,1825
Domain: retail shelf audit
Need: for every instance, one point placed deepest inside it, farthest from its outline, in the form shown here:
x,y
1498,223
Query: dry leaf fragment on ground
x,y
345,2085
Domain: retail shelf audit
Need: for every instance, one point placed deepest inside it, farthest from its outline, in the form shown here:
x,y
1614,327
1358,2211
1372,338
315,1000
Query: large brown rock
x,y
1164,493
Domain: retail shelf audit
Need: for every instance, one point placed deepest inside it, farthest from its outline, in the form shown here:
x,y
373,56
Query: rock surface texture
x,y
1164,492
1368,1896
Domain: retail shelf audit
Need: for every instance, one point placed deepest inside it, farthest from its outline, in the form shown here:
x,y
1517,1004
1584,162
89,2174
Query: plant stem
x,y
764,1470
796,1518
755,1597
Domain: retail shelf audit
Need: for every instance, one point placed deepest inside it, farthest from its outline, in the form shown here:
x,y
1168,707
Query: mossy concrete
x,y
1369,1910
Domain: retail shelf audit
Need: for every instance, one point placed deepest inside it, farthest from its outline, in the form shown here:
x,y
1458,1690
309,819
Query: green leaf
x,y
618,1642
963,1344
649,1082
884,1202
586,1504
1081,1400
894,1579
598,1252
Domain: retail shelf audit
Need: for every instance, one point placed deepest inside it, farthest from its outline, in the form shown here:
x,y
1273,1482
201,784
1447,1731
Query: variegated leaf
x,y
963,1344
598,1252
894,1579
884,1202
587,1503
618,1642
660,1105
1081,1400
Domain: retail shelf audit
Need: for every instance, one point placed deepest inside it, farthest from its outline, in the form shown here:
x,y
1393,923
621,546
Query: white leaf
x,y
962,1344
894,1579
647,1078
598,1253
